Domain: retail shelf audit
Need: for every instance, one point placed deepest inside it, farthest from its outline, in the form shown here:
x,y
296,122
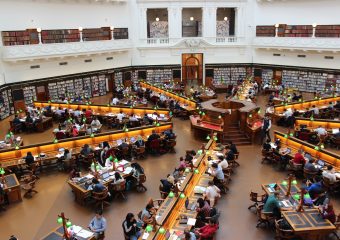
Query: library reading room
x,y
169,119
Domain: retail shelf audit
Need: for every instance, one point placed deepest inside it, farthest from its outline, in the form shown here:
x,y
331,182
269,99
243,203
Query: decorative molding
x,y
44,51
298,43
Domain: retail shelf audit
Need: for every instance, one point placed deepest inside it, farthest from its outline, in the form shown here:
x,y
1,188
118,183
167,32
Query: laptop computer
x,y
321,163
106,175
119,141
132,139
335,130
162,115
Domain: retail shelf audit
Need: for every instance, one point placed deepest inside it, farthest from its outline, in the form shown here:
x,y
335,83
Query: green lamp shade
x,y
296,196
8,135
158,124
316,148
219,116
196,171
294,182
286,135
200,112
2,172
98,167
250,115
20,110
322,146
148,228
307,196
116,160
131,106
55,140
108,105
170,113
203,113
111,158
208,137
49,101
161,230
16,147
187,170
284,183
59,220
68,224
312,118
84,120
182,195
199,152
291,134
92,135
171,194
126,129
215,138
87,103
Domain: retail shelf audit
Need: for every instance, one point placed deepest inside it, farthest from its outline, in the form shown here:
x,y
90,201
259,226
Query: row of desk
x,y
186,103
327,124
173,208
15,157
295,144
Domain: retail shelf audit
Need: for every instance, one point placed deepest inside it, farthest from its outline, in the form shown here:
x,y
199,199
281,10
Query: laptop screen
x,y
321,163
335,131
119,141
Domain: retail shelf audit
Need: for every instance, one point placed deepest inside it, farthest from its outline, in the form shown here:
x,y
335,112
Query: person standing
x,y
266,125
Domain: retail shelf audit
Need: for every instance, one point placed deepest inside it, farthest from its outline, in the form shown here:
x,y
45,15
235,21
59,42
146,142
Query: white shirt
x,y
330,175
212,191
223,164
288,113
59,112
120,116
77,113
320,131
315,110
108,163
115,101
95,122
162,98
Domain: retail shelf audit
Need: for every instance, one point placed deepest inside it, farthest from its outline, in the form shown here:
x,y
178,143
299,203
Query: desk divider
x,y
328,124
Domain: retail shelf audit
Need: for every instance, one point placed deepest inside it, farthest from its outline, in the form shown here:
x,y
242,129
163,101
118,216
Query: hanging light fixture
x,y
191,18
157,19
225,18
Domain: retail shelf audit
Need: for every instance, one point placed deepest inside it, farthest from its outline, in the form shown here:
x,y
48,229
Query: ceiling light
x,y
191,18
225,18
157,19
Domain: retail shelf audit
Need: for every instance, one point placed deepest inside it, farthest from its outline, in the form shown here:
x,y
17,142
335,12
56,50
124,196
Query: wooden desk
x,y
282,188
12,188
203,128
295,144
327,124
104,110
46,123
189,105
12,147
308,224
57,234
14,157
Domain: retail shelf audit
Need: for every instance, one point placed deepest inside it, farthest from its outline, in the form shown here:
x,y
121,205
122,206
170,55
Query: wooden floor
x,y
33,218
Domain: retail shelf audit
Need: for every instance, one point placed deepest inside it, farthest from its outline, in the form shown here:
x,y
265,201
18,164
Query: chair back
x,y
253,196
142,178
171,143
326,182
119,187
60,135
140,150
100,196
308,173
155,144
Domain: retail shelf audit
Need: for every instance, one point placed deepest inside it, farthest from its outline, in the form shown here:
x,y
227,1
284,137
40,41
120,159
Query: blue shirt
x,y
218,173
98,224
271,203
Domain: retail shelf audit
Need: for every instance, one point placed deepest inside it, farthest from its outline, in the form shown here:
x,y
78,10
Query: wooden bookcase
x,y
96,34
23,37
60,36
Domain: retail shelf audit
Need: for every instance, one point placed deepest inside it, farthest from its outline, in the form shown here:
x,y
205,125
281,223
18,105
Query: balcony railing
x,y
303,43
192,41
41,51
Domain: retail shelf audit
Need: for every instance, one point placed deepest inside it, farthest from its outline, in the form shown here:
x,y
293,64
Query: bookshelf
x,y
96,34
87,87
221,76
118,78
267,76
265,31
30,95
60,36
327,31
298,31
23,37
98,85
120,33
304,80
158,76
134,77
229,75
6,103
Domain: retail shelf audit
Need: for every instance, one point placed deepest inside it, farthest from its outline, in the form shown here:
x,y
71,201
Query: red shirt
x,y
299,159
88,113
208,230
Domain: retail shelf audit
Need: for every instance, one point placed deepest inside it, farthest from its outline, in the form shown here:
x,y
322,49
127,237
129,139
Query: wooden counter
x,y
187,103
58,233
12,188
295,144
104,109
15,157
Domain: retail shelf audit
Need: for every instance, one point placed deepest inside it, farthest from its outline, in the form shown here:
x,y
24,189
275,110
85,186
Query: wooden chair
x,y
125,152
309,175
283,234
256,199
140,187
296,169
100,198
2,202
140,152
266,156
330,187
29,186
87,161
118,190
170,144
263,217
155,146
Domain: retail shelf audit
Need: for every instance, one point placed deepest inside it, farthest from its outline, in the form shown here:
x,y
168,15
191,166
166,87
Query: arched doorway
x,y
192,68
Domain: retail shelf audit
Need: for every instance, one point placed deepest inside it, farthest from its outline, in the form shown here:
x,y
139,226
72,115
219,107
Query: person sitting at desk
x,y
88,113
130,227
203,211
77,113
212,193
75,131
29,159
140,142
167,185
208,230
95,122
117,178
86,150
98,224
178,173
134,176
315,189
330,174
223,163
115,101
229,154
307,156
233,147
315,110
169,134
272,205
153,136
330,106
29,119
120,116
17,123
321,131
133,118
217,173
147,215
298,158
189,235
65,160
59,112
271,97
337,105
310,167
97,186
123,145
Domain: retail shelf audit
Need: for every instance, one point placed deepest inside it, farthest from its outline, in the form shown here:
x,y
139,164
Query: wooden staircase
x,y
234,134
